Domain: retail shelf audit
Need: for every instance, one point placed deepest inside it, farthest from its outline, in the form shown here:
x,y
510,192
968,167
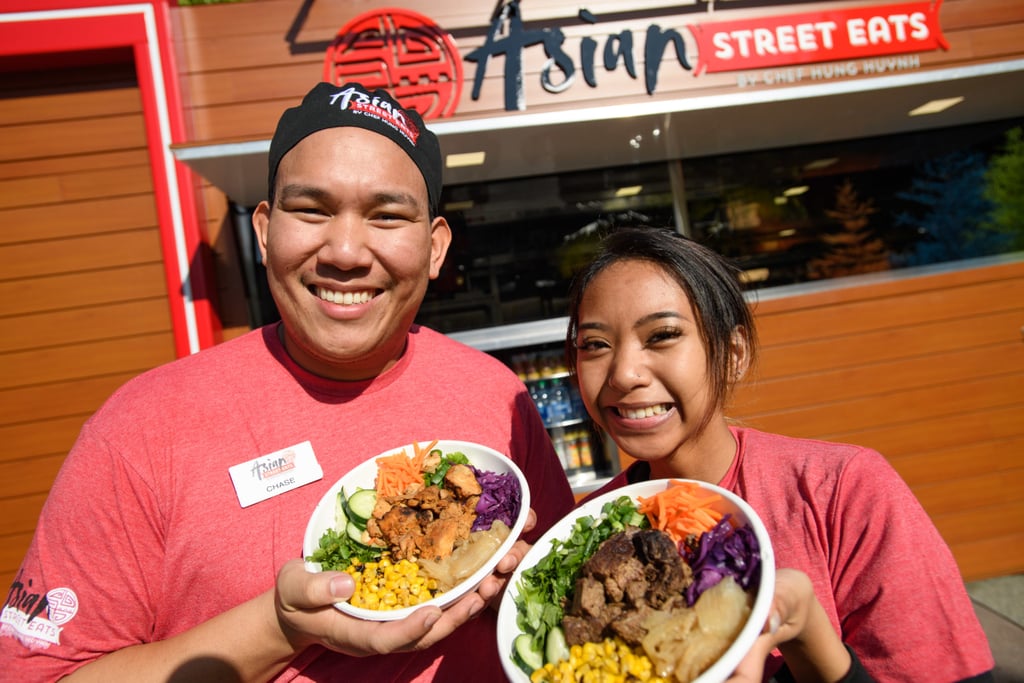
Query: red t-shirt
x,y
143,535
889,583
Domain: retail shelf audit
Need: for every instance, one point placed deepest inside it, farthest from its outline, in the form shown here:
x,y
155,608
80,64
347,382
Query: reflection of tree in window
x,y
952,221
1005,189
853,247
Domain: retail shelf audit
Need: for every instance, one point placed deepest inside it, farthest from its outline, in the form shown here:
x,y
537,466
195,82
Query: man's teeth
x,y
649,411
344,298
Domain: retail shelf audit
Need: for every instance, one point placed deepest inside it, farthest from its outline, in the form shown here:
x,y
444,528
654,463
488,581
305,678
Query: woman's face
x,y
641,362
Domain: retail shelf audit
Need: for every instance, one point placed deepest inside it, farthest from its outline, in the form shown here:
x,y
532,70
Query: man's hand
x,y
305,611
304,602
492,587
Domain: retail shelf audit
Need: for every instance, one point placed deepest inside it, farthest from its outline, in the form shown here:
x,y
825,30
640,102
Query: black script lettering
x,y
262,469
654,49
507,37
553,40
620,47
512,47
588,46
20,598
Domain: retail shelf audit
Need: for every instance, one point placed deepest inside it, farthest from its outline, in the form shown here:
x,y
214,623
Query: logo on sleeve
x,y
36,618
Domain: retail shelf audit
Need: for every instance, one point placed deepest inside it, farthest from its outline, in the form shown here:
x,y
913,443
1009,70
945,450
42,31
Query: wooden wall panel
x,y
926,370
57,166
65,256
68,398
68,106
85,136
960,365
74,326
82,218
83,295
11,552
40,437
85,288
22,512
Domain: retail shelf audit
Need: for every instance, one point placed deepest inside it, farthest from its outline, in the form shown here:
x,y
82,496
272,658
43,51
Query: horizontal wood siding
x,y
239,71
926,370
83,299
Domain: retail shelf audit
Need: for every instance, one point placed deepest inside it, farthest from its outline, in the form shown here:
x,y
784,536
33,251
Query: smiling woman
x,y
657,349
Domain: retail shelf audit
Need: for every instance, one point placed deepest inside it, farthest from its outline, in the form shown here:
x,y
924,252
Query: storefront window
x,y
844,208
516,243
785,216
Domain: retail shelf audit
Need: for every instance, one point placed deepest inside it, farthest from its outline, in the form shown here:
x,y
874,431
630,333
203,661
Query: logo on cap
x,y
360,102
402,52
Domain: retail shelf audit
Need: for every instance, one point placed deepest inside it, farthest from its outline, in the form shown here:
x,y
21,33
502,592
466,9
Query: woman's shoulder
x,y
756,442
767,455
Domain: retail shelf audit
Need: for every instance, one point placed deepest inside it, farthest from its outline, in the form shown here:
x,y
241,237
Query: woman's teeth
x,y
344,298
639,413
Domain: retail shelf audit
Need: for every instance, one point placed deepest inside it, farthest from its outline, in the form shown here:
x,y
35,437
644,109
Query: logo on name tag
x,y
275,473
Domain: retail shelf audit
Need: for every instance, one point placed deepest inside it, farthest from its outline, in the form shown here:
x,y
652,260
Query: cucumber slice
x,y
555,648
361,504
340,516
355,532
530,657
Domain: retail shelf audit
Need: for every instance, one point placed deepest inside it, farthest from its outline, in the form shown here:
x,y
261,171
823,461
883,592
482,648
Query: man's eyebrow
x,y
396,197
293,190
297,190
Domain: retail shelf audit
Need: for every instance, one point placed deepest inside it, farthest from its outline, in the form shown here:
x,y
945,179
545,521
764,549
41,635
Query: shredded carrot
x,y
681,509
397,472
421,453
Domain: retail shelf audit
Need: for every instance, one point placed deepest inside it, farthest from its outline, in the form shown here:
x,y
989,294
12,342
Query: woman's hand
x,y
798,626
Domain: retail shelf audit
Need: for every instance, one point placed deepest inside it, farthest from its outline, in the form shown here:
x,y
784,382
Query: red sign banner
x,y
836,35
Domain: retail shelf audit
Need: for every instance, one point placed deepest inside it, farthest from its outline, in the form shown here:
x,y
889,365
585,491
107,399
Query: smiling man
x,y
350,235
198,477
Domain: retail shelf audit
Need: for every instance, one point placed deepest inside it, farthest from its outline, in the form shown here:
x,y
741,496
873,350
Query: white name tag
x,y
273,474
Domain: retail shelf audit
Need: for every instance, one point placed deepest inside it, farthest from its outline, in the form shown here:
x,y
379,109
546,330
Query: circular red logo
x,y
402,52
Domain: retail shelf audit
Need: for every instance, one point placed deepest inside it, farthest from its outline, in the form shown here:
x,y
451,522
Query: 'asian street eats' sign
x,y
850,33
409,55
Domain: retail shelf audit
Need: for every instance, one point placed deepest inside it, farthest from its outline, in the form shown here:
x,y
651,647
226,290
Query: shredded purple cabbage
x,y
720,552
500,499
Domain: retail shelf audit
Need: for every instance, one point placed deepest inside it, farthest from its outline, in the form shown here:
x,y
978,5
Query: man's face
x,y
349,248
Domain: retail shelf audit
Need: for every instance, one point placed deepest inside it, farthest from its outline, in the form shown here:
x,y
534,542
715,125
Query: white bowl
x,y
741,513
363,476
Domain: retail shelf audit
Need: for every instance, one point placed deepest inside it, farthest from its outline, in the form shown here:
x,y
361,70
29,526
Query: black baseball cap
x,y
332,106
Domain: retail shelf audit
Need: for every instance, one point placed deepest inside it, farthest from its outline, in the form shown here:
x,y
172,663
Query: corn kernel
x,y
611,661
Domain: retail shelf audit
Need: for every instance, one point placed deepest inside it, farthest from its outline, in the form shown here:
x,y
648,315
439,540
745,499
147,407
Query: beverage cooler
x,y
584,456
535,351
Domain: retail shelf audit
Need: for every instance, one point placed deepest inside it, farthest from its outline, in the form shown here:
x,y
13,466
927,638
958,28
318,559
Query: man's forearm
x,y
243,644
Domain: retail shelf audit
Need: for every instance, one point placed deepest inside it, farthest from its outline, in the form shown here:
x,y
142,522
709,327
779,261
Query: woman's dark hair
x,y
710,281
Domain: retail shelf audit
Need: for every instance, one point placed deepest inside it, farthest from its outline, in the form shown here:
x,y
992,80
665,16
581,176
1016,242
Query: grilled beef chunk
x,y
630,574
